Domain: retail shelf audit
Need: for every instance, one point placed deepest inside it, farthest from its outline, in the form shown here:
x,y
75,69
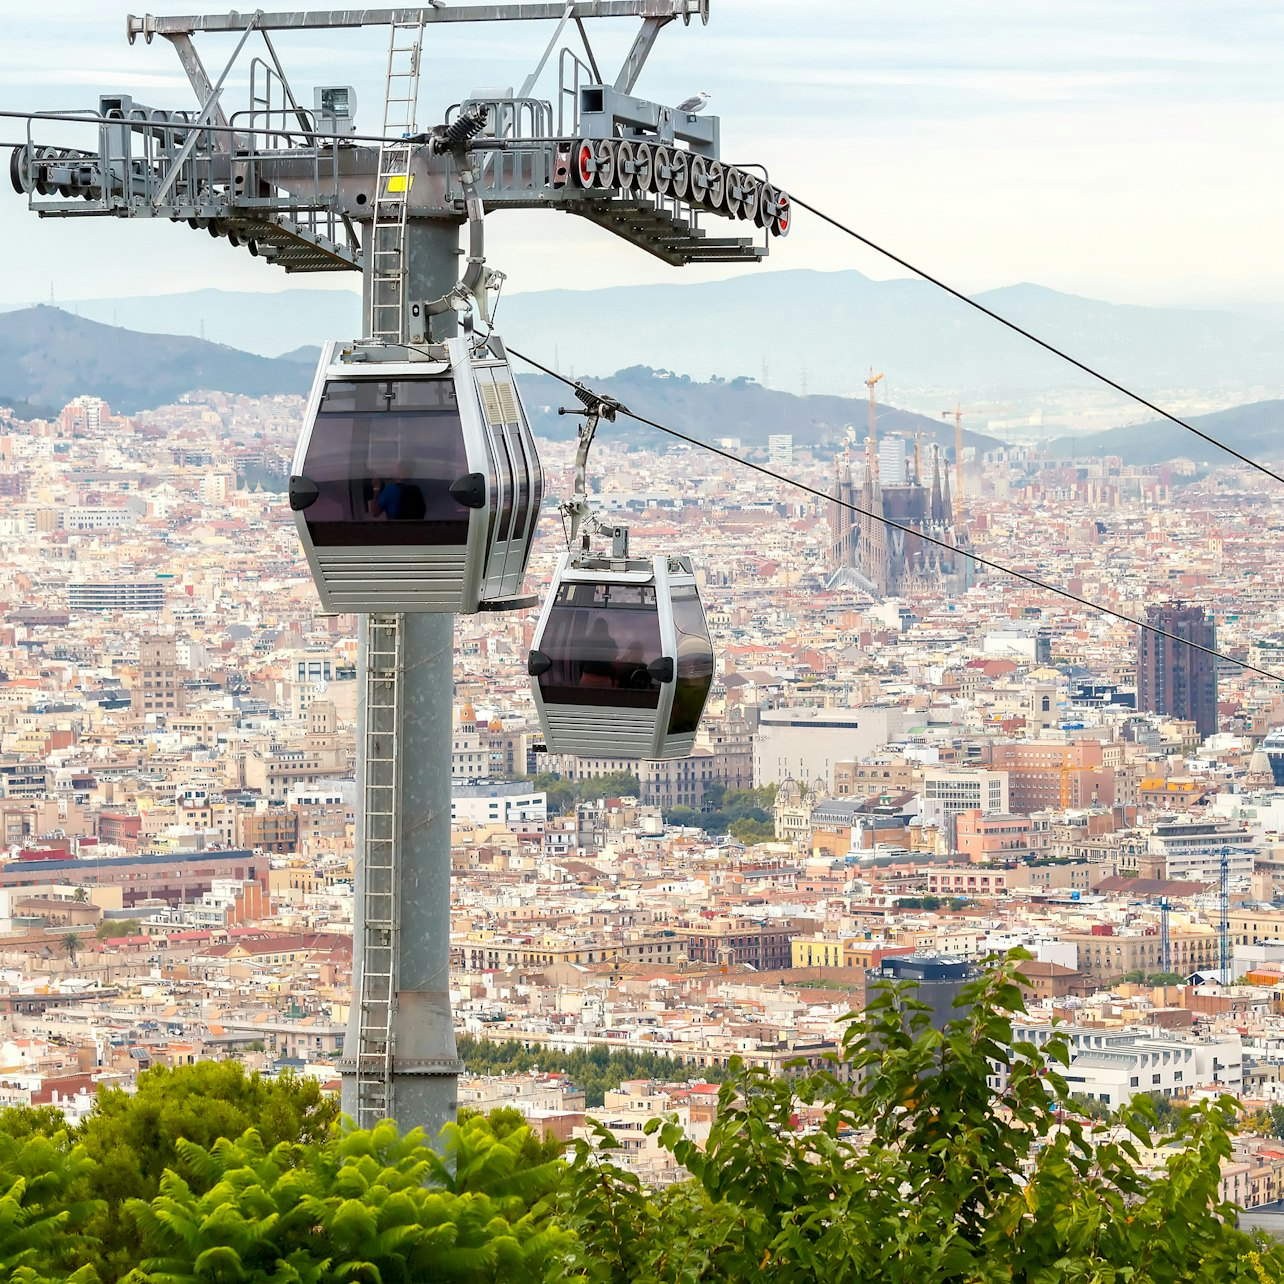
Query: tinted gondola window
x,y
695,661
383,454
600,638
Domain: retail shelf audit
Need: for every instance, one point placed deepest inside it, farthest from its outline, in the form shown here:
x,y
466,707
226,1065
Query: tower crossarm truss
x,y
294,185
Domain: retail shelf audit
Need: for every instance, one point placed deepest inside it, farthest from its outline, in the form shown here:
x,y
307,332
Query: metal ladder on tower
x,y
385,662
392,192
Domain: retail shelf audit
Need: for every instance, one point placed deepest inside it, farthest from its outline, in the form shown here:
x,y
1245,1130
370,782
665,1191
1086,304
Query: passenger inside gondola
x,y
398,499
600,638
598,666
383,455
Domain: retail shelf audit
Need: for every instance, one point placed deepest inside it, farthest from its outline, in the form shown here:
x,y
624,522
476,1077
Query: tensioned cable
x,y
1034,338
908,530
91,117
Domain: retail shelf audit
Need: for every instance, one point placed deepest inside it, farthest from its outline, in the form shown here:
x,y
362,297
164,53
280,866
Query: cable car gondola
x,y
622,658
416,485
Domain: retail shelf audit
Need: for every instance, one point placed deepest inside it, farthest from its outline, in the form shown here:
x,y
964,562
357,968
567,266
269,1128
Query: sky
x,y
1127,152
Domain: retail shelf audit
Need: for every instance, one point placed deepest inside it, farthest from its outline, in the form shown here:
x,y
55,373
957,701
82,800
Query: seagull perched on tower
x,y
693,106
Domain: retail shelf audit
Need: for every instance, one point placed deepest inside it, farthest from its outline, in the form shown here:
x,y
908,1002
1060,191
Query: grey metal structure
x,y
298,186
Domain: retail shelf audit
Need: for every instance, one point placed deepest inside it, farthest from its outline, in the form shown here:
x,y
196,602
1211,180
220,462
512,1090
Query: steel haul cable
x,y
1034,338
90,117
1034,582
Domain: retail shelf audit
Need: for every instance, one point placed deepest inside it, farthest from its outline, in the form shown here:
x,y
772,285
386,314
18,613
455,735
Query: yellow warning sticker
x,y
401,183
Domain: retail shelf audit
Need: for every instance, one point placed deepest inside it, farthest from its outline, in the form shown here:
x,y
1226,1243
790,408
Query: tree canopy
x,y
898,1161
594,1071
563,794
918,1170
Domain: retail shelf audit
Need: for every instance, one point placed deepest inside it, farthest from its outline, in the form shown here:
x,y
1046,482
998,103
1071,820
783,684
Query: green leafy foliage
x,y
593,1070
346,1207
564,794
41,1216
912,1169
110,928
752,832
724,809
919,1171
366,1207
134,1138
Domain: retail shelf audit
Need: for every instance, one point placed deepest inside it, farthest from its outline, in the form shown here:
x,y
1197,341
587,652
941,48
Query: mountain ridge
x,y
804,330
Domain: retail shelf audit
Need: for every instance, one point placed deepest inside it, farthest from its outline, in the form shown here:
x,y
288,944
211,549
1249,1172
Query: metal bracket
x,y
577,511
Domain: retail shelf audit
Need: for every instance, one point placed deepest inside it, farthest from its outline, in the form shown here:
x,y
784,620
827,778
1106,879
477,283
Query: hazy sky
x,y
1126,151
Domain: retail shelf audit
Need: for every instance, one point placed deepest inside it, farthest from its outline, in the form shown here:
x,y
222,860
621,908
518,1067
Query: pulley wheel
x,y
20,170
605,175
715,196
784,216
43,159
698,171
625,174
749,190
680,177
585,163
643,167
661,170
765,212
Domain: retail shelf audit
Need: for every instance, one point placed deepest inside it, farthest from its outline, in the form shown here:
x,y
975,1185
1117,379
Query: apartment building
x,y
1113,1066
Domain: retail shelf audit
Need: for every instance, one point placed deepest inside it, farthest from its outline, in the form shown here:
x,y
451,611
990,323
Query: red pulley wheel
x,y
584,164
784,217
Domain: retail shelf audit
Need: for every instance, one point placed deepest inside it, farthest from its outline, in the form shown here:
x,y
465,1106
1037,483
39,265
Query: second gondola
x,y
622,660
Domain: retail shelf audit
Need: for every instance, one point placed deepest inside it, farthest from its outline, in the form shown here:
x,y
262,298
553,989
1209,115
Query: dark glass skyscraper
x,y
1173,678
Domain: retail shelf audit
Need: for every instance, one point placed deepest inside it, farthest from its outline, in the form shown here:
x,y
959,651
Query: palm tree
x,y
81,896
71,946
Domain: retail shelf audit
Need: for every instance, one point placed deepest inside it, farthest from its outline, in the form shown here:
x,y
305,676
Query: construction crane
x,y
296,186
871,440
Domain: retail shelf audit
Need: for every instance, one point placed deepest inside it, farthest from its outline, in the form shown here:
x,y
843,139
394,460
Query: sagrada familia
x,y
882,559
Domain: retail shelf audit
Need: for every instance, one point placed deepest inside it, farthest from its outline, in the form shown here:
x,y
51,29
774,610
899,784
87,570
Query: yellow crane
x,y
873,431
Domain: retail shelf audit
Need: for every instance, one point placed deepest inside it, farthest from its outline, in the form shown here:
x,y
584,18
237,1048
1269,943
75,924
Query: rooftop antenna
x,y
296,188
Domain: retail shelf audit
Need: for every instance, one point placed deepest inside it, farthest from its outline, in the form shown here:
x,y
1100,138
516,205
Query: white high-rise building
x,y
780,448
893,461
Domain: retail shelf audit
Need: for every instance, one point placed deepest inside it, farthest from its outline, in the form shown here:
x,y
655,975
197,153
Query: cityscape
x,y
940,776
465,815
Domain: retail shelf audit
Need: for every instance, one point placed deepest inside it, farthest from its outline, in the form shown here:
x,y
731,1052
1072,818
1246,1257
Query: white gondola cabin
x,y
621,659
416,485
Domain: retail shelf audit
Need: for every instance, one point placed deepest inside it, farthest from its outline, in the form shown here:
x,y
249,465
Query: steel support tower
x,y
296,185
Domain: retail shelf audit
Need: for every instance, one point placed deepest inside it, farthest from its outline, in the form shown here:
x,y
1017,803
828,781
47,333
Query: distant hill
x,y
1256,430
309,354
48,356
269,323
800,331
821,331
737,408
